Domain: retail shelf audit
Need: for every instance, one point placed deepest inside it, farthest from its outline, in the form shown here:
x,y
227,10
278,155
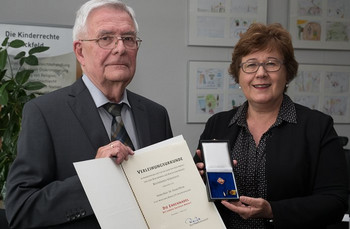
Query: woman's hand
x,y
248,207
200,165
115,149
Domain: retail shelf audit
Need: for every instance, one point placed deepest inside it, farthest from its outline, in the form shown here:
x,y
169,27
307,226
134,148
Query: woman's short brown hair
x,y
260,37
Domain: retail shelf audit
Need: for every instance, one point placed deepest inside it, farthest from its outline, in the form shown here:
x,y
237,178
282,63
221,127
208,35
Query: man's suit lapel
x,y
141,122
85,110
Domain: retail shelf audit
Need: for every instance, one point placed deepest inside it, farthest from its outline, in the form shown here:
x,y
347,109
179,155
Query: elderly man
x,y
74,123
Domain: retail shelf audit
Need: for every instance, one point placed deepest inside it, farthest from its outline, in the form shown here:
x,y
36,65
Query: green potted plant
x,y
16,89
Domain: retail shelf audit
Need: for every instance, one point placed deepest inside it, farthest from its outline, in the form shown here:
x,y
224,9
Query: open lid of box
x,y
216,155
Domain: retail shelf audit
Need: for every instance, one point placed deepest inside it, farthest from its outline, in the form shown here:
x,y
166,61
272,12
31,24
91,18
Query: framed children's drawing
x,y
210,90
324,88
220,22
320,24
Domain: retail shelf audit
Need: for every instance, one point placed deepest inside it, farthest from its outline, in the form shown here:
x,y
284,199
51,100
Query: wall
x,y
164,54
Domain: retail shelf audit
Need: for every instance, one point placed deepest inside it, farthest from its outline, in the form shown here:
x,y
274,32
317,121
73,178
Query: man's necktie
x,y
118,131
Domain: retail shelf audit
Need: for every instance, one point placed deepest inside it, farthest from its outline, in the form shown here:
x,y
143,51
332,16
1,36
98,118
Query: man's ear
x,y
78,50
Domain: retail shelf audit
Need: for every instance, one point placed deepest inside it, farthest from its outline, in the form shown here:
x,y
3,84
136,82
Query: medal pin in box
x,y
221,183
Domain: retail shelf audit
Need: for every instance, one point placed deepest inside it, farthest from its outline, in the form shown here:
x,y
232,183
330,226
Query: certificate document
x,y
158,187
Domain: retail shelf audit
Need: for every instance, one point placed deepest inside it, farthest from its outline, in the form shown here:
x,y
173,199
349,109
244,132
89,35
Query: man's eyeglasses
x,y
269,66
109,42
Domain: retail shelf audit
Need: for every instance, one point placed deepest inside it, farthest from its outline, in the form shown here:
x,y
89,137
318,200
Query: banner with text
x,y
57,66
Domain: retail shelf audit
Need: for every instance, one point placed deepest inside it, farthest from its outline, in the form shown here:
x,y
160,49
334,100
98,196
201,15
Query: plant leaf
x,y
38,49
21,61
31,60
11,85
4,97
2,73
23,99
34,85
16,43
23,76
4,43
3,58
20,55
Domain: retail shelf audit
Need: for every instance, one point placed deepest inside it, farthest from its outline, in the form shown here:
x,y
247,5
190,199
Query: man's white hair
x,y
84,11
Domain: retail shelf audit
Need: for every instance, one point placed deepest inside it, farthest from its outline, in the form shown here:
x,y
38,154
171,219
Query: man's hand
x,y
115,149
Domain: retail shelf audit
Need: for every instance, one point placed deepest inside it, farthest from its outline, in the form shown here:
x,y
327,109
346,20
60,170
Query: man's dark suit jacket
x,y
58,129
305,168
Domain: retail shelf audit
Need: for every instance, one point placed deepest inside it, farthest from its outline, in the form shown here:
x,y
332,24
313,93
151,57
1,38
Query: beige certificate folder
x,y
158,187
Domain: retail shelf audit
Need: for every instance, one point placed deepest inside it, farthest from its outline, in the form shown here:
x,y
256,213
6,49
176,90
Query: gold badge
x,y
220,180
232,192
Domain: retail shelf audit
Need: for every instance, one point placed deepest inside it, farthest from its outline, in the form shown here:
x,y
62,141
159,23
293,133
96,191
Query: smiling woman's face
x,y
263,87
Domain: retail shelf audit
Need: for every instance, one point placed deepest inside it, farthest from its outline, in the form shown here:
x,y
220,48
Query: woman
x,y
289,165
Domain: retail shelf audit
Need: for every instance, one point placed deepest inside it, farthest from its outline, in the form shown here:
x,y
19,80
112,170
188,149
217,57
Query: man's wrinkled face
x,y
106,66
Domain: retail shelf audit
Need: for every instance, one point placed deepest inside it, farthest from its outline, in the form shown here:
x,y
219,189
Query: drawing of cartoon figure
x,y
211,103
218,8
338,8
314,10
310,7
337,31
312,31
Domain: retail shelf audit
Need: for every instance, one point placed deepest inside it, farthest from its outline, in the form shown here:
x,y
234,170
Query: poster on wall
x,y
211,90
320,24
57,66
324,88
220,22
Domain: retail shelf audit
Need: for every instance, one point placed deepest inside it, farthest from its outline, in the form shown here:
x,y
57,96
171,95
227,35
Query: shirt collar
x,y
287,113
99,98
